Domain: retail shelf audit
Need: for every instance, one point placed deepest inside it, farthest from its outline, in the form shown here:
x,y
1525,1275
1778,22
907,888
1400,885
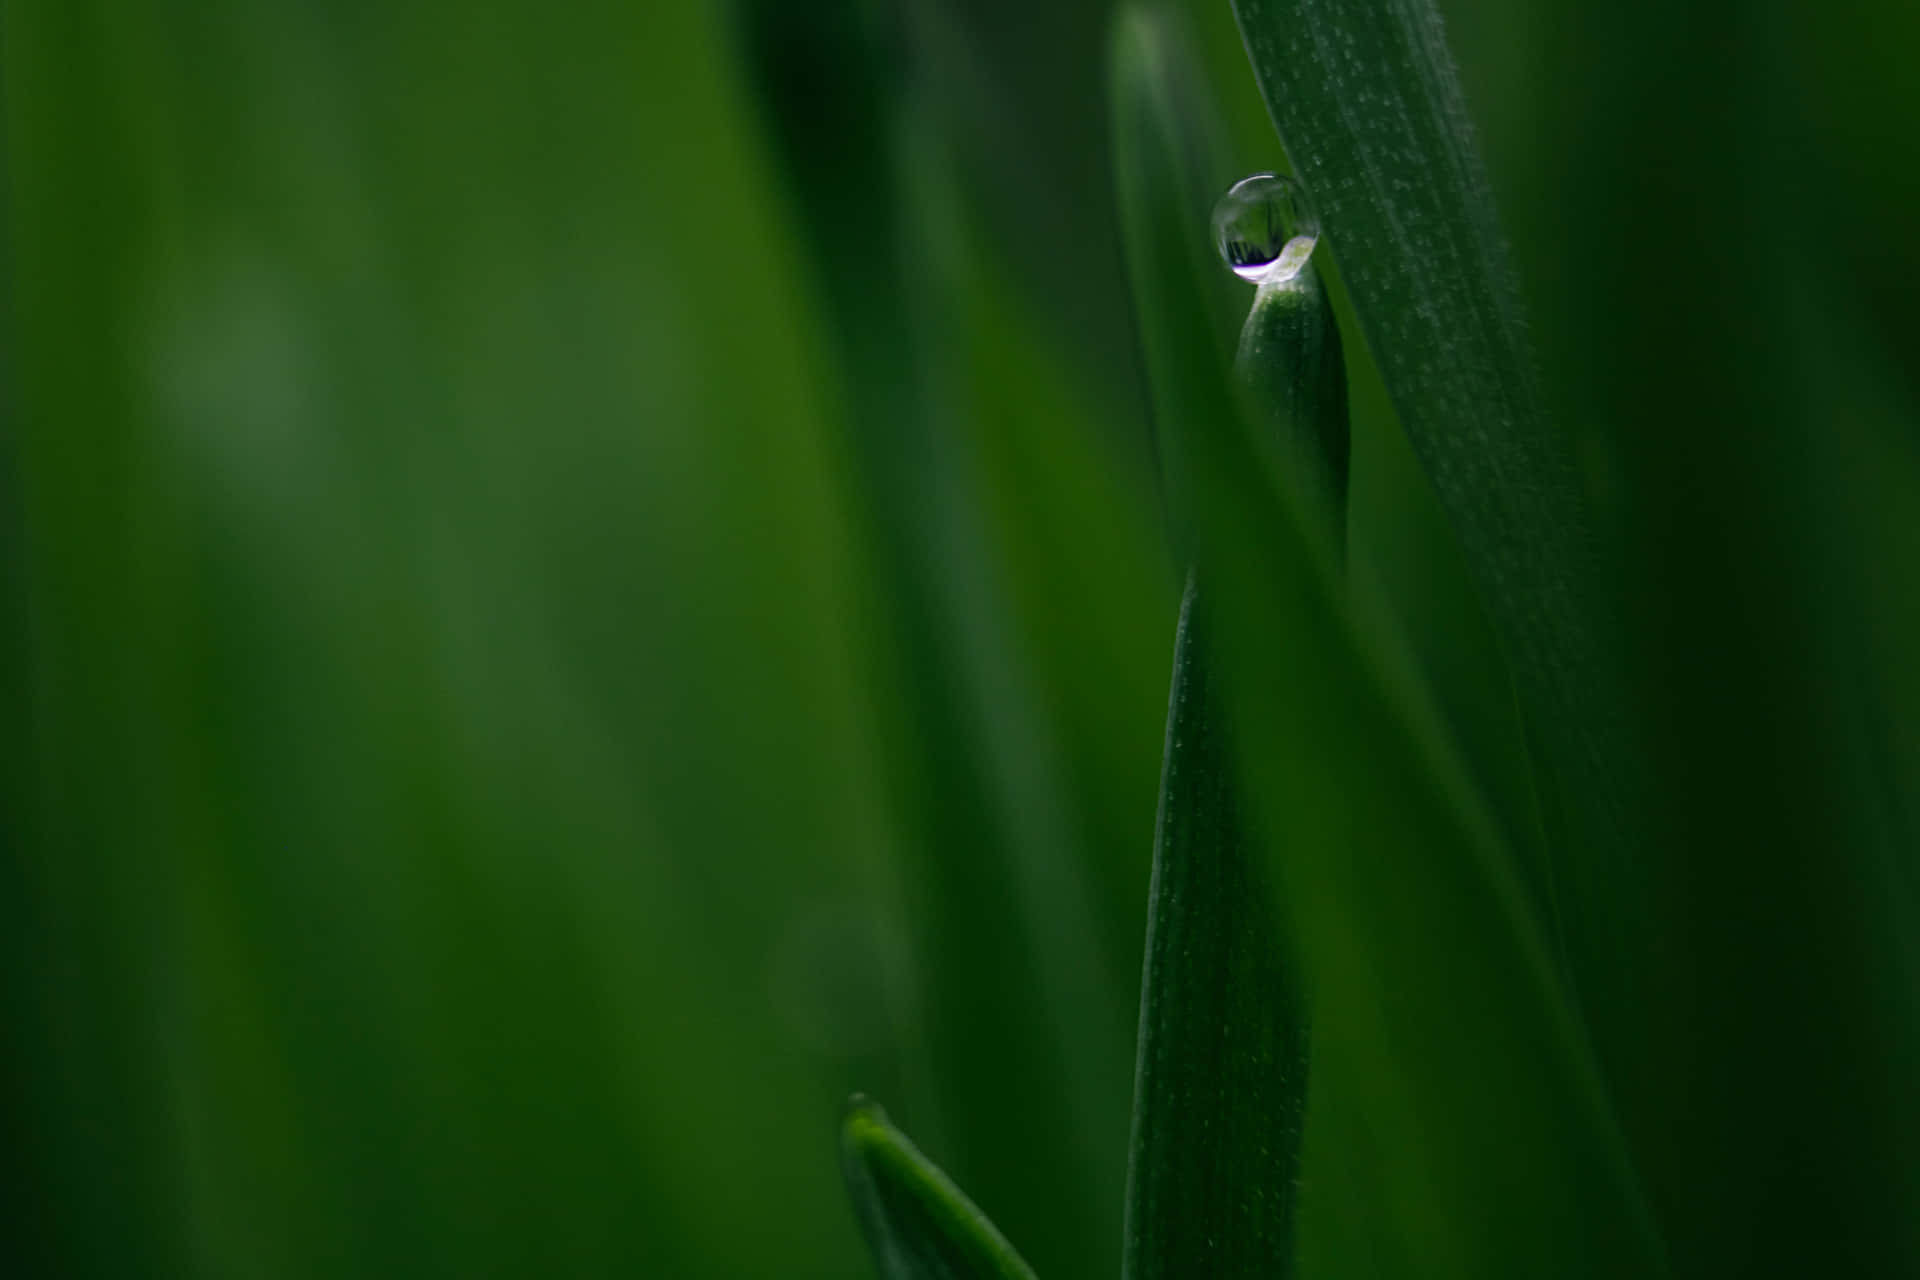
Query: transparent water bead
x,y
1264,227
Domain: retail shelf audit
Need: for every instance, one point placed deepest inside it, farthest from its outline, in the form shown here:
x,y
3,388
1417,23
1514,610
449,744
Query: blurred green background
x,y
583,580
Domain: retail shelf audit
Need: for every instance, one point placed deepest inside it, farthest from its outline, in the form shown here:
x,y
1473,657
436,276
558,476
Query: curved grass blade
x,y
1444,1041
1292,372
1367,104
1220,1080
917,1223
1470,1134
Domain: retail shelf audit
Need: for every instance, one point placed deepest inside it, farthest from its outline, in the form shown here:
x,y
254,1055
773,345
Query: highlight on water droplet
x,y
1264,227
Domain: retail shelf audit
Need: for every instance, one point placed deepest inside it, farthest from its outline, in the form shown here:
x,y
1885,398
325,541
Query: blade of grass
x,y
1439,1019
1220,1082
1784,1023
918,1224
1367,104
1444,1022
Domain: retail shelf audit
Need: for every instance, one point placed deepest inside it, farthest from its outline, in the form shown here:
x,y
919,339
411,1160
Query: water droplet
x,y
1264,227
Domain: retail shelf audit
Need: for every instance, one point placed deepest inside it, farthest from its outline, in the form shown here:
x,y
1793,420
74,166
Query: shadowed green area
x,y
577,584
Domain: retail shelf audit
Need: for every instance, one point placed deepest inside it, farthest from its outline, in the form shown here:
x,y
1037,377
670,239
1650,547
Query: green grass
x,y
582,582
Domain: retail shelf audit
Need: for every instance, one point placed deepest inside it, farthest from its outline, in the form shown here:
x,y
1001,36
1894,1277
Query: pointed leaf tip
x,y
917,1223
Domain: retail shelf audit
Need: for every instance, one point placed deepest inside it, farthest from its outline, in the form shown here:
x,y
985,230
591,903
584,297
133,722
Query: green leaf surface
x,y
1220,1085
1437,1010
1294,378
1367,103
917,1223
1456,1123
1220,1081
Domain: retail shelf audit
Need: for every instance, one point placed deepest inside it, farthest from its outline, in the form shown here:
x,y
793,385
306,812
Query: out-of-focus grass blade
x,y
1439,1023
1168,169
1754,450
1026,1036
450,838
917,1223
1367,104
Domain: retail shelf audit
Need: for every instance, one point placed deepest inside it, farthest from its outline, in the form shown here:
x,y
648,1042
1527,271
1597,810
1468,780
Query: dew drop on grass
x,y
1265,228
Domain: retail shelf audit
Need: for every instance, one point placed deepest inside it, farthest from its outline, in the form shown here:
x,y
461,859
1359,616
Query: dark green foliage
x,y
1402,902
1366,98
1220,1081
1221,1073
1723,884
581,582
1290,369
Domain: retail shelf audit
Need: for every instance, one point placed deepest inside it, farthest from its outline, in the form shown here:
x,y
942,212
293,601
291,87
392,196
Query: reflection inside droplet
x,y
1264,227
